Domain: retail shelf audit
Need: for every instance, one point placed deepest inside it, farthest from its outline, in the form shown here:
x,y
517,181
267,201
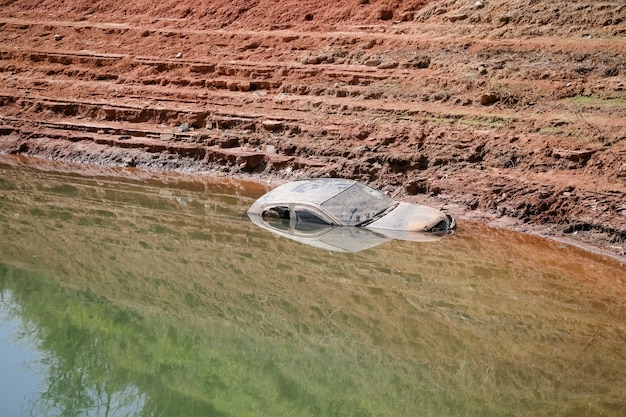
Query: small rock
x,y
244,86
369,44
479,4
184,127
228,142
420,62
457,17
310,60
416,186
386,14
498,64
179,55
272,125
388,65
58,37
129,161
407,16
488,99
482,70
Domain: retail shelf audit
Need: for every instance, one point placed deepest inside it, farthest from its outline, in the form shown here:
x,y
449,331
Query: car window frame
x,y
293,208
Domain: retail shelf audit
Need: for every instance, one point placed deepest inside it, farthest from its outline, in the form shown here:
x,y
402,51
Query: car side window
x,y
307,221
277,217
303,215
298,217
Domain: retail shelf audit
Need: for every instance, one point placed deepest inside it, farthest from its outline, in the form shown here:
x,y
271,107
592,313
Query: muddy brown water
x,y
129,292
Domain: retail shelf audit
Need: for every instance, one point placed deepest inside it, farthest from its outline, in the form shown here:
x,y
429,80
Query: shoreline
x,y
504,115
543,231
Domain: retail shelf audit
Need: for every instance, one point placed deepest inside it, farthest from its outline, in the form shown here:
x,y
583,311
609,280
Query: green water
x,y
129,293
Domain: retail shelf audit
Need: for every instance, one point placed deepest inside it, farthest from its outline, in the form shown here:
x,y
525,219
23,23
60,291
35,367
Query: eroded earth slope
x,y
505,109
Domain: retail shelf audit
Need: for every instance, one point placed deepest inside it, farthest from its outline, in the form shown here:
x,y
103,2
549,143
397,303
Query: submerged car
x,y
345,215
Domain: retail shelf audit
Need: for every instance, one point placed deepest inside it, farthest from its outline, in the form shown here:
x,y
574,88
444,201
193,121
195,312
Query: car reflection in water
x,y
345,216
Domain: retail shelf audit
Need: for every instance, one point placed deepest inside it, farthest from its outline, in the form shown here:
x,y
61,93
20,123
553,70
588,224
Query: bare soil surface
x,y
511,111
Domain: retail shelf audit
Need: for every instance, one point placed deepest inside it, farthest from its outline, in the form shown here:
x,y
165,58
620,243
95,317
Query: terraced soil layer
x,y
510,111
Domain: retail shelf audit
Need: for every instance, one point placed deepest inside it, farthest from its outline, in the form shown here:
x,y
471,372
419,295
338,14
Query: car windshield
x,y
357,204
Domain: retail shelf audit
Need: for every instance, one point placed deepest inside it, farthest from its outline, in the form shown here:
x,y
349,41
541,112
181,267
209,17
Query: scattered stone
x,y
498,64
310,60
129,161
273,125
251,163
479,4
482,70
417,62
386,14
369,44
407,16
184,127
416,186
228,142
388,65
244,86
58,37
457,17
251,45
488,99
372,62
324,58
179,55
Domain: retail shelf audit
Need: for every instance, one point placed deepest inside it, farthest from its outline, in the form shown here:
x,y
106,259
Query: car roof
x,y
310,191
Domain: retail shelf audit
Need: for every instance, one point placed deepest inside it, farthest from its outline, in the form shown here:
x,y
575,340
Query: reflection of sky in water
x,y
18,361
22,379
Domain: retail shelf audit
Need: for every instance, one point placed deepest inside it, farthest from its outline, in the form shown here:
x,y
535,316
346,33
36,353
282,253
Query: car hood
x,y
409,217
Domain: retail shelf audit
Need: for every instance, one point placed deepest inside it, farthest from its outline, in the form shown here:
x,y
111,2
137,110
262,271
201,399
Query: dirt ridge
x,y
500,110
